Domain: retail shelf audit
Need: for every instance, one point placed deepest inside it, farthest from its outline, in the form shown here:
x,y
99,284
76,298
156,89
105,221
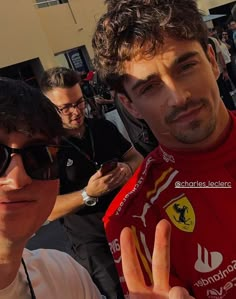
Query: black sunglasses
x,y
40,161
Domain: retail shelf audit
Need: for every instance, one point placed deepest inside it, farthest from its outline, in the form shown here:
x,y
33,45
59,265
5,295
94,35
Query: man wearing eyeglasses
x,y
86,190
29,130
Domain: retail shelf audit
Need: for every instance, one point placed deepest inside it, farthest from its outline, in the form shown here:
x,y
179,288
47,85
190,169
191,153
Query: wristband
x,y
88,200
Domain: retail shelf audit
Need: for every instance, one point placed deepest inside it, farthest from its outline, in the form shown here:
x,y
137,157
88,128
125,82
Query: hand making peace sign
x,y
160,267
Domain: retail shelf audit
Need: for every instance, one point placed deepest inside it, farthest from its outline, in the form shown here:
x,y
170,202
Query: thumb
x,y
97,175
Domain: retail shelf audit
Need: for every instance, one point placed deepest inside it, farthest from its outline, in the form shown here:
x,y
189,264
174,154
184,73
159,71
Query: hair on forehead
x,y
138,28
23,107
59,77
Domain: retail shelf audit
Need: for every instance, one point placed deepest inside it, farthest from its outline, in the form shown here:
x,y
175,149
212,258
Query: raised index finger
x,y
130,263
161,256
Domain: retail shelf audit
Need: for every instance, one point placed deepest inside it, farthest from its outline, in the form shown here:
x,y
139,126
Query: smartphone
x,y
108,166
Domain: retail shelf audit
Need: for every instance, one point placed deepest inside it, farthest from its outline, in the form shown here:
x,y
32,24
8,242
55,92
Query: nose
x,y
76,110
179,94
15,176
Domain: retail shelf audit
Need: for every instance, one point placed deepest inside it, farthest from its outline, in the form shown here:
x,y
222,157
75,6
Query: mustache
x,y
179,109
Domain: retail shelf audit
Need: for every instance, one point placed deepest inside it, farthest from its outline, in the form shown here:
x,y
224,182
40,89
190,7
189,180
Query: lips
x,y
78,119
14,206
15,200
187,115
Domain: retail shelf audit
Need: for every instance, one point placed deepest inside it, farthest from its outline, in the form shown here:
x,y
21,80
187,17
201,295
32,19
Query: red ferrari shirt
x,y
195,192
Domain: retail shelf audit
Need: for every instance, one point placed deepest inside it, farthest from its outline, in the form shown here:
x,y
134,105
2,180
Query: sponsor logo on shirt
x,y
143,215
115,247
181,213
152,195
69,162
136,187
221,292
207,261
221,274
167,157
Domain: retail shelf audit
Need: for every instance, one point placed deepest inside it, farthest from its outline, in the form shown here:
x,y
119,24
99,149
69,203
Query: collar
x,y
224,147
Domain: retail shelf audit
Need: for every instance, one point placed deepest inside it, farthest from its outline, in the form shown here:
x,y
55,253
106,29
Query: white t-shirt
x,y
54,275
225,52
218,51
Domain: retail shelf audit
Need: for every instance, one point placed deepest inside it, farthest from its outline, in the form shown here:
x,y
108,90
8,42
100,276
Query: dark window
x,y
46,3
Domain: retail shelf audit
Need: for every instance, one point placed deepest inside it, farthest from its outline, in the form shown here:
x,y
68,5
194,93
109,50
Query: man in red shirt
x,y
156,53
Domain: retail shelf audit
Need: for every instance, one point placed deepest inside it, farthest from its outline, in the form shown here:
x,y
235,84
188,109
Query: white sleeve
x,y
217,45
82,281
55,274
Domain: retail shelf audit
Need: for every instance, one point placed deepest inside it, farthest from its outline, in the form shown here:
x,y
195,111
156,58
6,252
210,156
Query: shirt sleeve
x,y
114,142
121,141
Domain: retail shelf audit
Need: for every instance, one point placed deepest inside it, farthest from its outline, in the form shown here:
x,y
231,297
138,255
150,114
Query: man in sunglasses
x,y
29,130
86,190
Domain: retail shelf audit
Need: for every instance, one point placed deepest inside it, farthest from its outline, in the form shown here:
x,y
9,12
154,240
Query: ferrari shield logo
x,y
181,213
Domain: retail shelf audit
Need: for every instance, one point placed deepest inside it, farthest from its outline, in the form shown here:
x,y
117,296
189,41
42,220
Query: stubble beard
x,y
196,132
198,129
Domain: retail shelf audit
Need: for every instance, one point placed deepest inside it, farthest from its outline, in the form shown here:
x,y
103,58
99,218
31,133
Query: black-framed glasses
x,y
40,161
69,108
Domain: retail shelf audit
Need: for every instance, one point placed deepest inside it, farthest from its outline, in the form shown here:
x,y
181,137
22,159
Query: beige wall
x,y
208,4
60,27
28,32
21,34
86,14
202,5
71,24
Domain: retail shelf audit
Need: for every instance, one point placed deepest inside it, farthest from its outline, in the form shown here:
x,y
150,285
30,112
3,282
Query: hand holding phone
x,y
108,166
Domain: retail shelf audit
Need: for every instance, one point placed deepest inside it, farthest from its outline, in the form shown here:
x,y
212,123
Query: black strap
x,y
28,279
83,153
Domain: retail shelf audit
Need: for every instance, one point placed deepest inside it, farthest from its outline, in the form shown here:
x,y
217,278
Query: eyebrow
x,y
31,142
69,104
178,60
184,57
37,141
140,82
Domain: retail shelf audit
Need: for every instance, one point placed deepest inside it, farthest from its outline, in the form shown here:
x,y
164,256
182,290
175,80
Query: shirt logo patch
x,y
181,213
69,162
207,261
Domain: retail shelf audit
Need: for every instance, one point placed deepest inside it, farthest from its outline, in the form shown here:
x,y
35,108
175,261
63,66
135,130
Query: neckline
x,y
11,287
203,158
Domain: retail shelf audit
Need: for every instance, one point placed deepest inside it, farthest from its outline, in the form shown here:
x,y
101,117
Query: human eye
x,y
146,89
188,66
80,102
65,109
150,87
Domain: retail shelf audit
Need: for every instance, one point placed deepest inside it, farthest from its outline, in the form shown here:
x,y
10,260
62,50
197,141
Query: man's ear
x,y
128,104
213,62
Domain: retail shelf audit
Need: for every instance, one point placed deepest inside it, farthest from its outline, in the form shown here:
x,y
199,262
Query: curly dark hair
x,y
58,77
132,28
25,109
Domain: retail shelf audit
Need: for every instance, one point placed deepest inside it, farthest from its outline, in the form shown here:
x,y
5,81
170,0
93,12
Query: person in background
x,y
93,110
229,55
232,26
223,81
86,188
225,38
139,132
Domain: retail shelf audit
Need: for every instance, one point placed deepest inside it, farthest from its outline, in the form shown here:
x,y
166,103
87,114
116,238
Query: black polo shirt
x,y
102,142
